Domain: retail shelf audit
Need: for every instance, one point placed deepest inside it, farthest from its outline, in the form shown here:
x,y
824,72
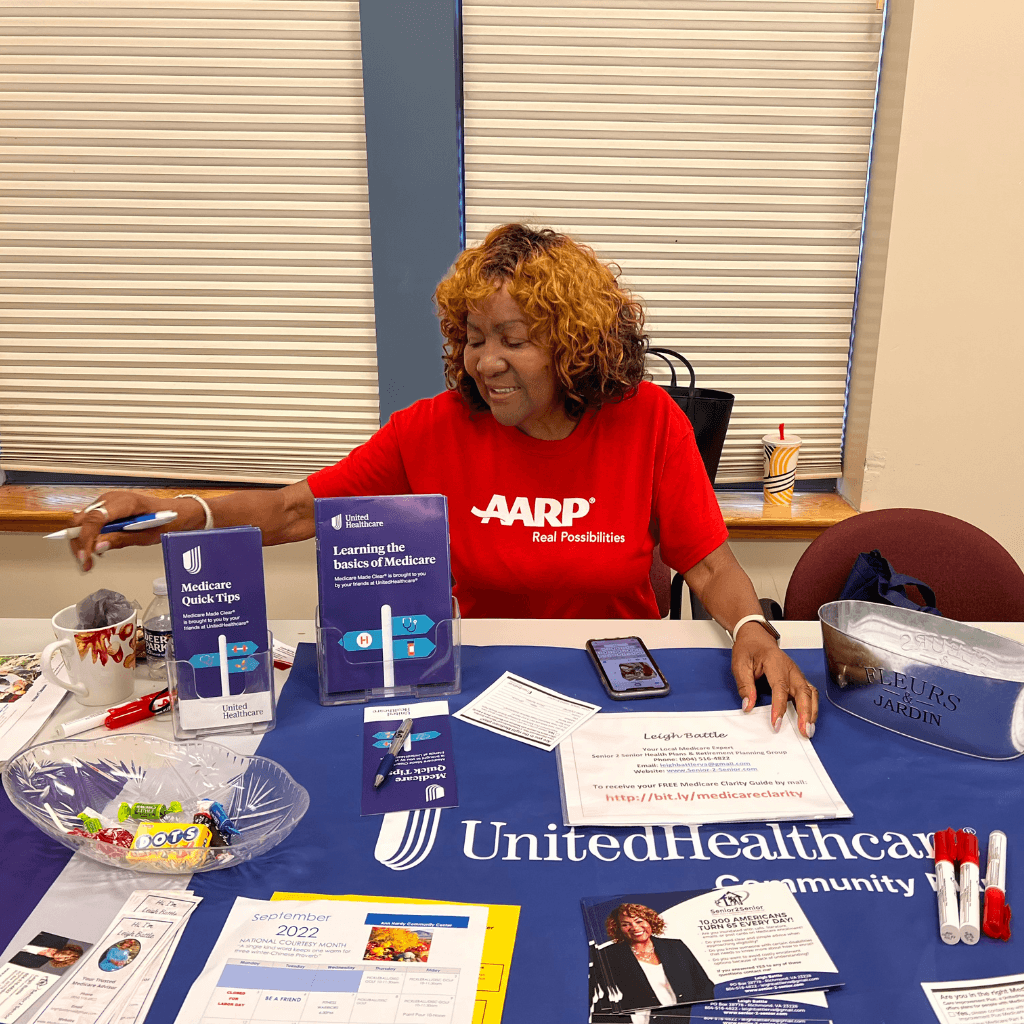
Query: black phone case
x,y
661,691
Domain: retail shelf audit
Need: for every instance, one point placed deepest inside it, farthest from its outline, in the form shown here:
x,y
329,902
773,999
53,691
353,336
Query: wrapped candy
x,y
147,812
222,823
115,836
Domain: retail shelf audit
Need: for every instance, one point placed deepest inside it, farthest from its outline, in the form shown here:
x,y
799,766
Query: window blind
x,y
186,272
717,151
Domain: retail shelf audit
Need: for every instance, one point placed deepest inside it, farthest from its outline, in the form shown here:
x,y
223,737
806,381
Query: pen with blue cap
x,y
149,521
387,762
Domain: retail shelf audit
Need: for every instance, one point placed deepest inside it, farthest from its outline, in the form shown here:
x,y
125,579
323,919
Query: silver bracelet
x,y
206,509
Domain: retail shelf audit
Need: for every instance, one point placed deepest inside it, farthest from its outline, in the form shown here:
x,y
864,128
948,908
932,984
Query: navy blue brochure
x,y
215,588
380,554
424,771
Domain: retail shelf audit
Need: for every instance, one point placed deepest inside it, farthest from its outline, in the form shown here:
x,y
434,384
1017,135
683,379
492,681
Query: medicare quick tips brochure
x,y
384,553
744,940
218,605
332,960
424,771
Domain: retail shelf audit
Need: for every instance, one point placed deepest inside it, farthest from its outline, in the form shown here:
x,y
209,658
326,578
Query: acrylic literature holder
x,y
345,660
243,705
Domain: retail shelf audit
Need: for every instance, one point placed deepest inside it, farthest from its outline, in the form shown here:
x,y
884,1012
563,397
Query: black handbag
x,y
874,579
707,410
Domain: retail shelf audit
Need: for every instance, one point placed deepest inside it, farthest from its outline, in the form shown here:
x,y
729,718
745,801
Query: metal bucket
x,y
932,679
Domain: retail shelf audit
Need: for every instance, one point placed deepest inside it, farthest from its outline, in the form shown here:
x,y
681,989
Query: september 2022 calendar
x,y
329,961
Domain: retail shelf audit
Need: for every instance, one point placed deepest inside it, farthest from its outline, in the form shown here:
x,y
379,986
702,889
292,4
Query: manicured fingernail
x,y
103,545
777,725
81,557
746,703
810,730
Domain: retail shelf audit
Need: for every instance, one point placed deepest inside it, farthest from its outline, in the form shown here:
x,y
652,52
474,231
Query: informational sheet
x,y
981,1001
499,942
26,700
744,941
363,963
663,768
424,771
515,707
125,965
36,968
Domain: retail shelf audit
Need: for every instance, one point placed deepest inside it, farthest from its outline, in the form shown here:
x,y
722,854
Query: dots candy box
x,y
169,845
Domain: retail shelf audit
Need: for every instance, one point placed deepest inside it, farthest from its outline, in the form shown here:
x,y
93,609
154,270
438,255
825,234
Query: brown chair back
x,y
974,577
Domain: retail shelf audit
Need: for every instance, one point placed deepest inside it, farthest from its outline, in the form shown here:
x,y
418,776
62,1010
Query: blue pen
x,y
150,521
387,762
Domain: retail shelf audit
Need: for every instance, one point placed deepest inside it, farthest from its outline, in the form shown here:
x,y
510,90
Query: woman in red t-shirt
x,y
562,468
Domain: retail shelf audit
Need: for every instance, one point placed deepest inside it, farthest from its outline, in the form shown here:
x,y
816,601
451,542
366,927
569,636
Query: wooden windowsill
x,y
42,508
749,518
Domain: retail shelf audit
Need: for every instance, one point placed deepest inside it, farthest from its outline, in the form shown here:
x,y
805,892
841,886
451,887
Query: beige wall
x,y
945,399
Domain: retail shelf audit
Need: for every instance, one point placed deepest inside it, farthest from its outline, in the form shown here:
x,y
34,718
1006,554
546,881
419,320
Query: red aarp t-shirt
x,y
548,529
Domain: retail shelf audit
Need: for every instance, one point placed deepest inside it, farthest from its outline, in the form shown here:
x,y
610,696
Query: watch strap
x,y
760,620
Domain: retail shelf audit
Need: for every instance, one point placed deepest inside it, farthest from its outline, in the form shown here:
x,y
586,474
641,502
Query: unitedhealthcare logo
x,y
192,560
406,837
338,521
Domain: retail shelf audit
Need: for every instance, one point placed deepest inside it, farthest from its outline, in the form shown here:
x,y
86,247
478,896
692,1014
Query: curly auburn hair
x,y
614,929
595,328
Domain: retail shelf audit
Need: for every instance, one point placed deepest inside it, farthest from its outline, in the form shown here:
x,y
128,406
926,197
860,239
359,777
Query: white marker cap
x,y
77,725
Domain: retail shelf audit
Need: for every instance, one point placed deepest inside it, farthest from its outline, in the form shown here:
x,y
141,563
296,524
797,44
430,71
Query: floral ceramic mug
x,y
100,662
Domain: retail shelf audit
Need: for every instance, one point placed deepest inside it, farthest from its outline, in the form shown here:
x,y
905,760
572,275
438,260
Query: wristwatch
x,y
760,620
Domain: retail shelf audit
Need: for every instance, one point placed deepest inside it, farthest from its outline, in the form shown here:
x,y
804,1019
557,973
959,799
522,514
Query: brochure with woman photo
x,y
652,950
39,964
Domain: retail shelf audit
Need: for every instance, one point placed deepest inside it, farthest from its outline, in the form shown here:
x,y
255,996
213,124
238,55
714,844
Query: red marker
x,y
945,885
121,715
970,904
996,924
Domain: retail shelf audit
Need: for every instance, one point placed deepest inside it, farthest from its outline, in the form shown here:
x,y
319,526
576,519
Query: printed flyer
x,y
360,962
693,768
651,950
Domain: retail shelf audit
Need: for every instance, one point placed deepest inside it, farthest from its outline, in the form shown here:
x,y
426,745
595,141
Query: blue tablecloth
x,y
883,941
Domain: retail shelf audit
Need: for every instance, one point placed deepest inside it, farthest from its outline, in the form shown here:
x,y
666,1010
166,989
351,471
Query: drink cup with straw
x,y
780,455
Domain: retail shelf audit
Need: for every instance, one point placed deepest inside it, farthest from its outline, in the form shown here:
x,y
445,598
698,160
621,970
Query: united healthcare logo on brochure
x,y
192,560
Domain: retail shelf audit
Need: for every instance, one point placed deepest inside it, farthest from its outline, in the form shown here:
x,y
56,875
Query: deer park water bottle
x,y
156,627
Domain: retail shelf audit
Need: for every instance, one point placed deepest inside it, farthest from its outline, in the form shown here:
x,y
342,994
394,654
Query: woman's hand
x,y
119,505
754,654
726,592
283,514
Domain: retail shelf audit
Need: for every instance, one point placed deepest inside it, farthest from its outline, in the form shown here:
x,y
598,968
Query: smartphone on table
x,y
626,668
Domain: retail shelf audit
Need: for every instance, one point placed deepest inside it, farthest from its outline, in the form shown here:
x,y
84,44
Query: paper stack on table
x,y
741,953
499,943
354,961
664,768
117,982
26,701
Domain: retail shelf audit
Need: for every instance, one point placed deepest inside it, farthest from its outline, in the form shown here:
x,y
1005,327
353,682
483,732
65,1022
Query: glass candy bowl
x,y
52,783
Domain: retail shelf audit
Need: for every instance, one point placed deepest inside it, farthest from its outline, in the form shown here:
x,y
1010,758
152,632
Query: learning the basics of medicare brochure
x,y
693,768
